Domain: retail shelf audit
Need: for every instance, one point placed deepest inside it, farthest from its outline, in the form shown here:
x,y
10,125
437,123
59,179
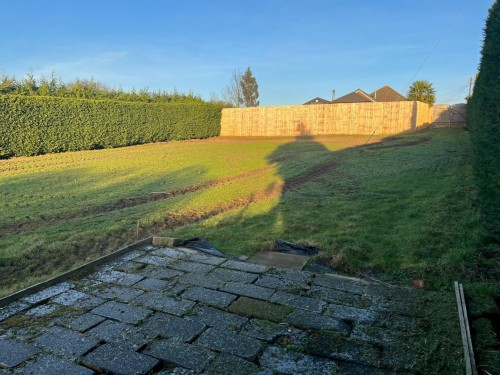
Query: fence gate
x,y
449,115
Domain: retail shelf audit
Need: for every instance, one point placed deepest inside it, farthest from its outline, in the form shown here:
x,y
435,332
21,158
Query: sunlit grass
x,y
399,209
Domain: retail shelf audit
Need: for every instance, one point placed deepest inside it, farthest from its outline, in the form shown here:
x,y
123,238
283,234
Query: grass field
x,y
398,209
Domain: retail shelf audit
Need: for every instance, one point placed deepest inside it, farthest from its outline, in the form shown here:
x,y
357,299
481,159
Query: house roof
x,y
317,100
358,96
387,94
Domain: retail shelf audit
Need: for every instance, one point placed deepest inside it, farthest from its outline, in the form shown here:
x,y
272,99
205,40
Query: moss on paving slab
x,y
259,309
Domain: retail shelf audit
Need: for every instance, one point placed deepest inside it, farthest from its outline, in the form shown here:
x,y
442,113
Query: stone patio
x,y
178,311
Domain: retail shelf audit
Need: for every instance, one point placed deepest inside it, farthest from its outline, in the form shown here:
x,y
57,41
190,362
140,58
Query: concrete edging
x,y
78,271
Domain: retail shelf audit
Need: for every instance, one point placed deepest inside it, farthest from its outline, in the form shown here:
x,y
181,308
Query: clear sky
x,y
297,49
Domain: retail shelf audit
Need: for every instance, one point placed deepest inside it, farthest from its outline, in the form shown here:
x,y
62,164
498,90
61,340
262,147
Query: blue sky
x,y
297,49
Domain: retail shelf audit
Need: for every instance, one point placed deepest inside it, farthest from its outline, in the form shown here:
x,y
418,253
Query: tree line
x,y
86,89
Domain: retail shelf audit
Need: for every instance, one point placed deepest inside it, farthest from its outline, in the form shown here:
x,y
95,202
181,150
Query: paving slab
x,y
48,293
42,310
342,283
162,302
277,259
192,267
203,280
226,275
153,284
169,326
249,290
309,320
245,266
52,365
118,277
159,273
338,297
231,343
83,322
171,253
299,277
118,293
229,364
281,361
68,343
202,258
155,260
285,285
119,361
333,345
264,330
181,354
253,308
122,312
301,302
352,313
122,335
13,309
69,297
218,319
209,297
13,352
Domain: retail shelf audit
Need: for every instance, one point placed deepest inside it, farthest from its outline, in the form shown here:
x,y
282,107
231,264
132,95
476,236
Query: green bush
x,y
484,123
38,125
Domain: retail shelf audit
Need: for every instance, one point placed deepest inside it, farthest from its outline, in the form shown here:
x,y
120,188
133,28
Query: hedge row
x,y
38,125
484,123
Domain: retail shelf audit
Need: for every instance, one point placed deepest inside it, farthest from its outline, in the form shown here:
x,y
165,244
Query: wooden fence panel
x,y
324,119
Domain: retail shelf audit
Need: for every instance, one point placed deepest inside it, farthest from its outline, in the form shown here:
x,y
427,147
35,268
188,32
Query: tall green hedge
x,y
484,123
37,125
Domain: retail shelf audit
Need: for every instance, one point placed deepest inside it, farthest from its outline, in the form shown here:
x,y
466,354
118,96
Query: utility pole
x,y
470,87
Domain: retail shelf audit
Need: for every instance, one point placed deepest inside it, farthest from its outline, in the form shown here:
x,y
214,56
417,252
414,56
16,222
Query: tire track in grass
x,y
178,219
20,226
290,184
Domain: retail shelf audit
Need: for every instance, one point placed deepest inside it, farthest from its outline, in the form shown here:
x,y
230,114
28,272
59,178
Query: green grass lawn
x,y
397,209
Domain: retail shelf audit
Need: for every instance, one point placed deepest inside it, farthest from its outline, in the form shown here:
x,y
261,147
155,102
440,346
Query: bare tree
x,y
233,92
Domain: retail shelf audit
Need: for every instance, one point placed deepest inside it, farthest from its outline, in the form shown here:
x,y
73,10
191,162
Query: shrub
x,y
484,123
36,125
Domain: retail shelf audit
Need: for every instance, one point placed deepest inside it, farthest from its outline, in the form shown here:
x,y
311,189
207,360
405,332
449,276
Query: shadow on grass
x,y
52,231
400,209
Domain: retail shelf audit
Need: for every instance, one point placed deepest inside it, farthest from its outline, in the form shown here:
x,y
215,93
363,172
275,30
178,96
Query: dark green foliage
x,y
31,125
250,89
484,122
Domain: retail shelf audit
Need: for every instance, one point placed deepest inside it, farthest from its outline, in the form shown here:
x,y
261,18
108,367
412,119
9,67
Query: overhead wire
x,y
448,27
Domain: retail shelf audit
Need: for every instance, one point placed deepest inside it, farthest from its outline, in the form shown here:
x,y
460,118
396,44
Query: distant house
x,y
358,96
383,94
318,100
387,94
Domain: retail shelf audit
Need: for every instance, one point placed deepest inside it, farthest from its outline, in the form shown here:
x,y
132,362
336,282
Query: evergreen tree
x,y
422,91
250,89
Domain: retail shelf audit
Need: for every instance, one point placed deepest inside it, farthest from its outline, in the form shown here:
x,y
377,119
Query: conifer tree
x,y
250,89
